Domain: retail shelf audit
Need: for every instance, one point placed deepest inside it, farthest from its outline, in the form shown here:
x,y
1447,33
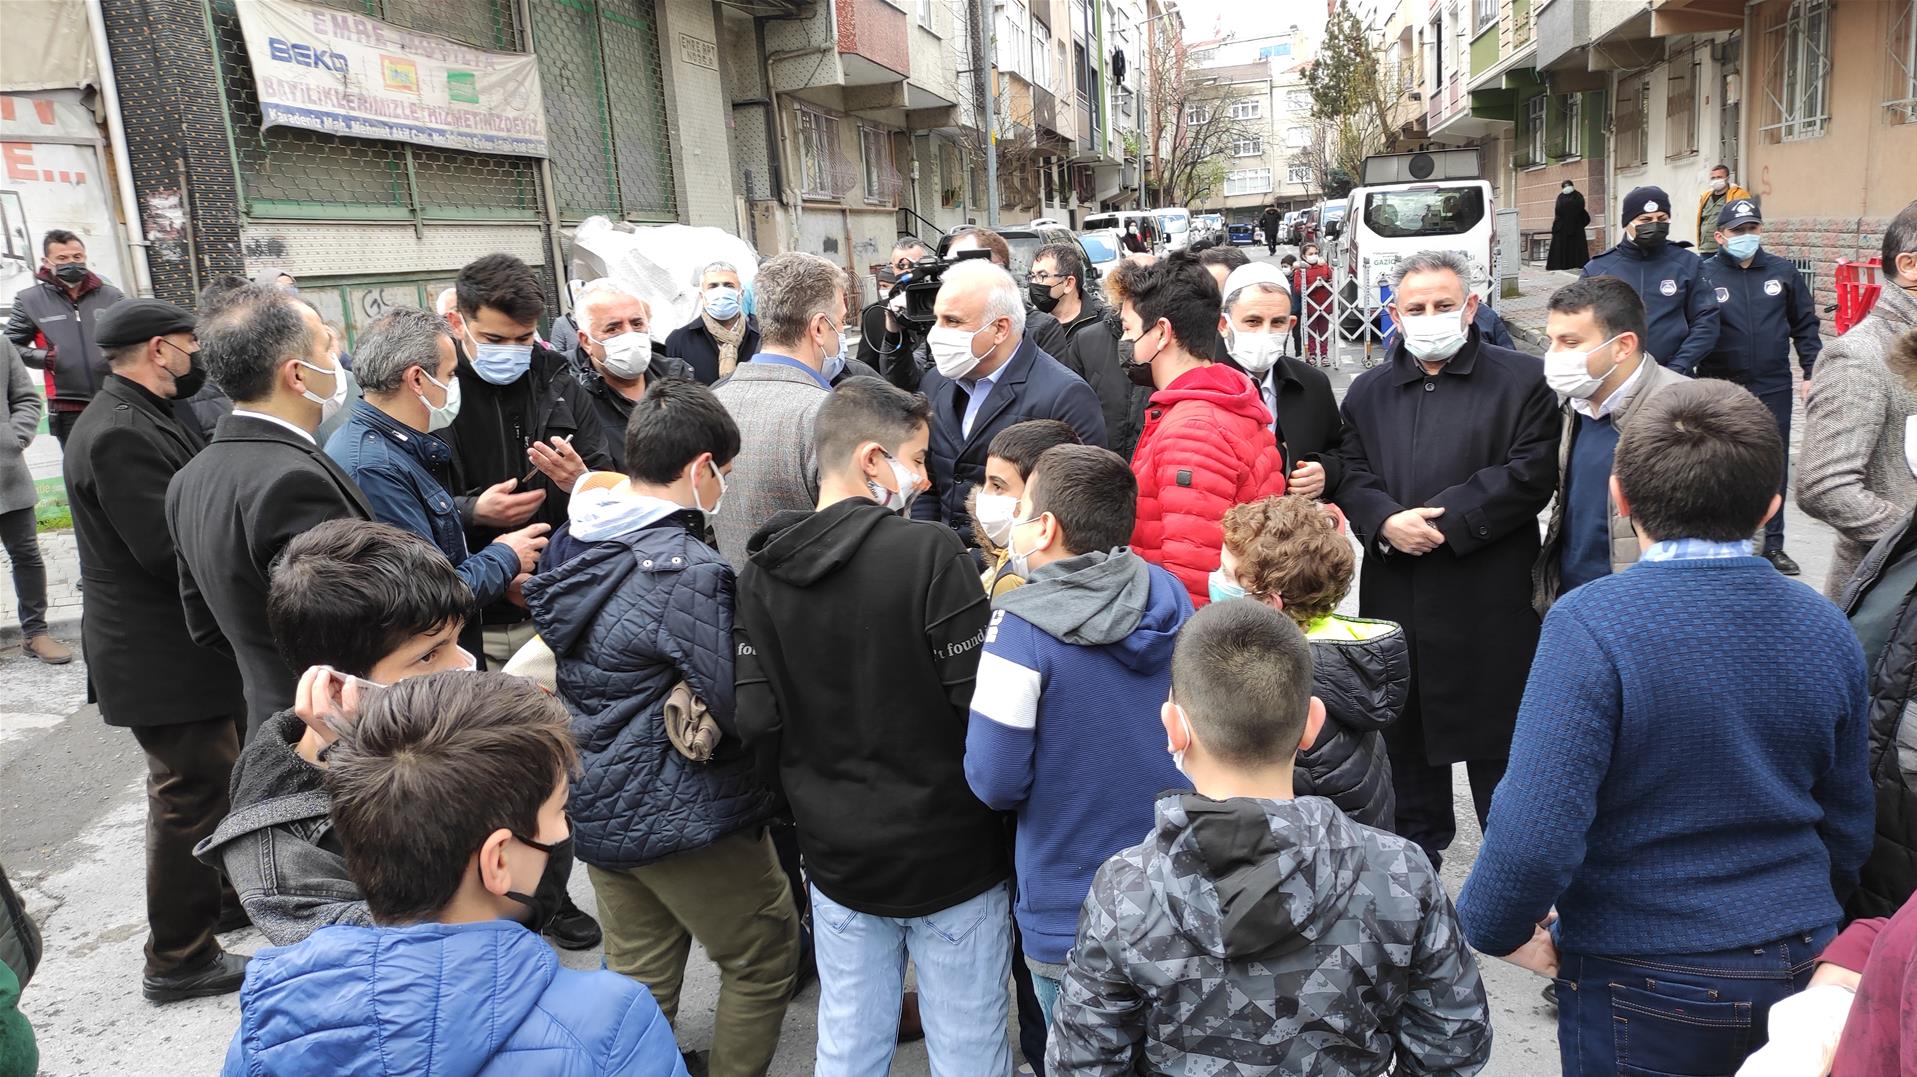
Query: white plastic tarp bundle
x,y
658,263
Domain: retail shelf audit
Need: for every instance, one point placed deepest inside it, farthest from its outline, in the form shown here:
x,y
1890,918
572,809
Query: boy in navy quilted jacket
x,y
635,605
449,794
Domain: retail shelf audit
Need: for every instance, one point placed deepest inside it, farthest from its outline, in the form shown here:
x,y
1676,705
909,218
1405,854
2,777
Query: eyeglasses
x,y
1047,278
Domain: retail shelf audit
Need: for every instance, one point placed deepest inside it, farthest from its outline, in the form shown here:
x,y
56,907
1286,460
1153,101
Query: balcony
x,y
1570,31
873,42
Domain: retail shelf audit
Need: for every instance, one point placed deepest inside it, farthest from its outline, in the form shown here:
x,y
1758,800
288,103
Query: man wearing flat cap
x,y
1680,302
181,701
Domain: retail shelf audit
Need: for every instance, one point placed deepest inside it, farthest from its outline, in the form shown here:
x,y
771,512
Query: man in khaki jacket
x,y
1599,368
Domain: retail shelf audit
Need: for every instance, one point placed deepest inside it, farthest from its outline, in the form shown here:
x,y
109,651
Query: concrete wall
x,y
698,114
1686,176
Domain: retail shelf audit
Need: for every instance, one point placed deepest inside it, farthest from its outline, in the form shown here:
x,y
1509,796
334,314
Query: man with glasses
x,y
1057,286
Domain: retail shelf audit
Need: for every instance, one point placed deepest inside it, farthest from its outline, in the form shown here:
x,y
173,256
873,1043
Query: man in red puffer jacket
x,y
1207,443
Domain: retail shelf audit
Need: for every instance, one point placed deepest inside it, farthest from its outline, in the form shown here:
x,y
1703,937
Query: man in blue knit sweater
x,y
1075,662
1687,783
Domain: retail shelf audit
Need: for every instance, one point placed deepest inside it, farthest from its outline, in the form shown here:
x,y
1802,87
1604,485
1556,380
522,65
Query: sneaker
x,y
220,976
48,650
573,928
1782,562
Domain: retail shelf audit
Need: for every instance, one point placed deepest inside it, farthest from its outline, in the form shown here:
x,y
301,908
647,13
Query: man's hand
x,y
1540,955
1805,390
1411,532
1805,1028
1306,480
500,507
558,460
327,700
526,544
895,313
514,592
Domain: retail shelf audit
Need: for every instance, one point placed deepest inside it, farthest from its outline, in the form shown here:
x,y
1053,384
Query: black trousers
x,y
61,424
1425,800
1779,402
188,769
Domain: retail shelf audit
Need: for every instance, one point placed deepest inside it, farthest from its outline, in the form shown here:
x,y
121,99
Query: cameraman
x,y
901,339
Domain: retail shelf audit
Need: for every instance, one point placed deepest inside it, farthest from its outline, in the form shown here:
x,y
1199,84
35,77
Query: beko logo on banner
x,y
305,55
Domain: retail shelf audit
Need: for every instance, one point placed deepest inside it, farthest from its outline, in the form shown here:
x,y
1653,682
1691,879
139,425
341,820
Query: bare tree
x,y
1191,115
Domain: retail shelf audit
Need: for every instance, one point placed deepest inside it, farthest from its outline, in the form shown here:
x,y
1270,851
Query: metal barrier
x,y
1858,285
1317,315
1360,320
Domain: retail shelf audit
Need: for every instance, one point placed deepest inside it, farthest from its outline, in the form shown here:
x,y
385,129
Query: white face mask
x,y
1314,259
720,500
994,513
1178,754
440,416
907,483
1569,372
1434,338
628,355
951,349
1910,444
1718,186
329,405
1019,564
1258,352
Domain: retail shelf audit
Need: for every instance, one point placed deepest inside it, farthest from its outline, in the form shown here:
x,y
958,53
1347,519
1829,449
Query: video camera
x,y
920,286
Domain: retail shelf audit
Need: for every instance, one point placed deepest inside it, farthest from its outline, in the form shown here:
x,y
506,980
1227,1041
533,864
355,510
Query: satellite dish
x,y
1421,166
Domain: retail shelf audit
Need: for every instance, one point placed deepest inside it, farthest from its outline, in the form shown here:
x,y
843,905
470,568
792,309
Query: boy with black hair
x,y
1252,929
1207,443
373,602
993,504
449,796
673,832
1089,636
858,639
1692,827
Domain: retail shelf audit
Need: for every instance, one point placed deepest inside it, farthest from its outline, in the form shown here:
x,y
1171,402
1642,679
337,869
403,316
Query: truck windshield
x,y
1428,211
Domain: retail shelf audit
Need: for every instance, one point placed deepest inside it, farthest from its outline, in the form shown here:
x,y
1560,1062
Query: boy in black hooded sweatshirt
x,y
859,635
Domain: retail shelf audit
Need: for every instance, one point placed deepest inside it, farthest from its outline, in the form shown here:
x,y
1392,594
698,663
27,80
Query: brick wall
x,y
1823,240
170,103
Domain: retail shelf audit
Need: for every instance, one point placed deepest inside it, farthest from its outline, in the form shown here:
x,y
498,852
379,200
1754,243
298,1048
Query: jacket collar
x,y
89,283
1405,370
423,447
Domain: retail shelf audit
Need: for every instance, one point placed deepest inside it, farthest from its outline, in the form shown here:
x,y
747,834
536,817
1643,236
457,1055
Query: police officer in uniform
x,y
1764,303
1680,304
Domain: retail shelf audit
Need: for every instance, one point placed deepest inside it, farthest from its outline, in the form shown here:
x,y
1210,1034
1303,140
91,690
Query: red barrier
x,y
1857,288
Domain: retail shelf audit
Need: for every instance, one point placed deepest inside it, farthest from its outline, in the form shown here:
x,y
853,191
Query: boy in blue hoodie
x,y
1071,658
449,795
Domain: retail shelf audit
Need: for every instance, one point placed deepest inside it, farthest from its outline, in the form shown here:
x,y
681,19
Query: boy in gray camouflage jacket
x,y
1252,932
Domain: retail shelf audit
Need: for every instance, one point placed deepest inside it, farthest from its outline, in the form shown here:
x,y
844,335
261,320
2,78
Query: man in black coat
x,y
617,358
1270,222
721,335
1252,333
1057,287
1450,454
262,481
182,701
988,376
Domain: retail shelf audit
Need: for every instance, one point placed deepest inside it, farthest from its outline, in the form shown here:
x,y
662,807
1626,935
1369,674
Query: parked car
x,y
1121,221
1243,234
1175,226
1103,250
1208,228
1024,242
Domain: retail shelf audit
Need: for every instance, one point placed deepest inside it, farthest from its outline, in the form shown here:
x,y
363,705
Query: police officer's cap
x,y
1742,211
132,321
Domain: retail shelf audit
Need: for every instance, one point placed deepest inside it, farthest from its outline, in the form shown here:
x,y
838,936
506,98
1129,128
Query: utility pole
x,y
986,81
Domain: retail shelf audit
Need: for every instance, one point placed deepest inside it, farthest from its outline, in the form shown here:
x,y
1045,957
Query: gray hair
x,y
1263,287
252,333
699,279
401,338
1432,262
792,288
597,290
1003,297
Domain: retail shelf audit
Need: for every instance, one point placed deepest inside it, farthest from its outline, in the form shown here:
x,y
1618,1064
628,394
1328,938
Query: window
x,y
1534,113
1632,123
1571,121
1246,110
1680,106
1015,39
1799,73
1297,138
925,13
1196,115
1487,13
875,153
1298,100
818,154
1298,174
1247,147
1440,211
1436,62
1248,181
1202,57
1902,97
1041,55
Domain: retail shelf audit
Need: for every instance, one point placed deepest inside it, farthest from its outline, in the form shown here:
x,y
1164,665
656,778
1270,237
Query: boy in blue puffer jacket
x,y
449,796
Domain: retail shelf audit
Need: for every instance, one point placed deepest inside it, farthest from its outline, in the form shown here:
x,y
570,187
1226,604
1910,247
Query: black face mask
x,y
1042,297
550,894
1139,373
187,384
1651,234
71,273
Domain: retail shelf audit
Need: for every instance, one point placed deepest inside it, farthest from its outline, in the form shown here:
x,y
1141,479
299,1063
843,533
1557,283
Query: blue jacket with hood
x,y
1064,728
442,1000
639,605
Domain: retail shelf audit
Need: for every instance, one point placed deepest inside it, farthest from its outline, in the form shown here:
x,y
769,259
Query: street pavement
x,y
71,798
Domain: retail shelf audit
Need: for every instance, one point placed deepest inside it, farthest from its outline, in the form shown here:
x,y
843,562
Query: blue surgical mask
x,y
835,364
722,302
1223,589
501,364
1744,247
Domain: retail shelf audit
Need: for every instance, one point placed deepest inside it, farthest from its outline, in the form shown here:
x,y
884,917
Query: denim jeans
x,y
1696,1014
1046,989
964,959
18,532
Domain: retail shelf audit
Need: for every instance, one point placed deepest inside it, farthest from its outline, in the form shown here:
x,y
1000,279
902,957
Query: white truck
x,y
1411,202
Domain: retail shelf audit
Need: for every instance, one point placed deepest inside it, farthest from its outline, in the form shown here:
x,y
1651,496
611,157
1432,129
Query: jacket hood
x,y
565,600
438,998
603,506
1245,879
1361,670
1220,386
1102,598
803,547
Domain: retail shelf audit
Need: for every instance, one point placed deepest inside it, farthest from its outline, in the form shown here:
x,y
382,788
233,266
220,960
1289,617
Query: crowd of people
x,y
1007,649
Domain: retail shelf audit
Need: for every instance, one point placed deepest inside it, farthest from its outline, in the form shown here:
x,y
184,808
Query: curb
x,y
65,629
